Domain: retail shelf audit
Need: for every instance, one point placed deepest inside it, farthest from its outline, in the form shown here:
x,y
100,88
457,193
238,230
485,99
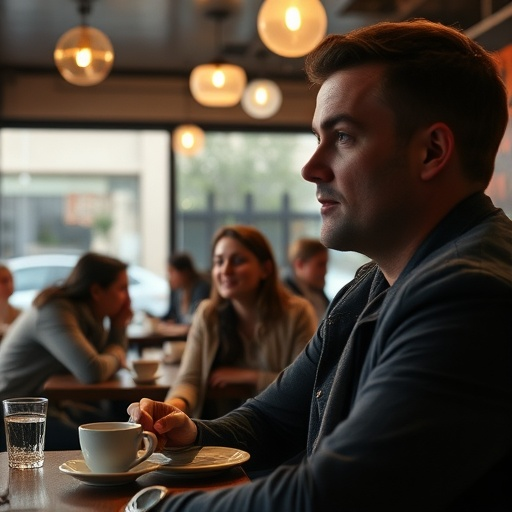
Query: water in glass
x,y
25,438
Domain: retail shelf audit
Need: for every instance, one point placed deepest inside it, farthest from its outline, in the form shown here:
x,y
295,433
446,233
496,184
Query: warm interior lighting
x,y
292,28
262,99
84,56
217,84
292,19
218,78
188,139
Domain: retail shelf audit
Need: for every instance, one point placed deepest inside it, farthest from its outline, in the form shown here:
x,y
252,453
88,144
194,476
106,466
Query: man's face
x,y
364,177
312,271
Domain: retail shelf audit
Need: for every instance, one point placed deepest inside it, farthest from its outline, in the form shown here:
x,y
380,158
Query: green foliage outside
x,y
234,164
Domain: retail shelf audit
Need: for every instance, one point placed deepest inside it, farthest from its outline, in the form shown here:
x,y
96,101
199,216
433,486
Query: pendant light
x,y
84,55
292,28
188,139
262,99
217,84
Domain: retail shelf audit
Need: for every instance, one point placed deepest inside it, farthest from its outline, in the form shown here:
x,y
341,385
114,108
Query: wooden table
x,y
48,490
120,387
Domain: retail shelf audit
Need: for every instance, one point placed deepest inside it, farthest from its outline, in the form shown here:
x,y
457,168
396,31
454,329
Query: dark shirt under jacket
x,y
402,400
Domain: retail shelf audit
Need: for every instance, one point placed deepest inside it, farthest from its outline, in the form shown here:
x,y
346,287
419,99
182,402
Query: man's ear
x,y
439,144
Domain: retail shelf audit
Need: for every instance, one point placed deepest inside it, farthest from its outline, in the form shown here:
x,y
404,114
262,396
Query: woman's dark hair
x,y
433,73
272,296
90,269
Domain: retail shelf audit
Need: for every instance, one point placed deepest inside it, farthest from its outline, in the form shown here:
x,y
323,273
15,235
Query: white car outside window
x,y
148,291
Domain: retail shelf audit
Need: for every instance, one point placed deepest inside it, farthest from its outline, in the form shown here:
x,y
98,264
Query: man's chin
x,y
328,237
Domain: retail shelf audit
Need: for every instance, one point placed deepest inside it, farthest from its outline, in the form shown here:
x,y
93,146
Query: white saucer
x,y
152,380
208,459
79,470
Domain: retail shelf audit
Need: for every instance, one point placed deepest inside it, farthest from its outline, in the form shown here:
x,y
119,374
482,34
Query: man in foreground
x,y
402,400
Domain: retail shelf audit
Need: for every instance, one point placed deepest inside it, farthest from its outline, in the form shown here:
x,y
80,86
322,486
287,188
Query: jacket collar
x,y
461,218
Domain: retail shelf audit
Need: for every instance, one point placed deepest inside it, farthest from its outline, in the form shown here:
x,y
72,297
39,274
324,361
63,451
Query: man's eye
x,y
343,137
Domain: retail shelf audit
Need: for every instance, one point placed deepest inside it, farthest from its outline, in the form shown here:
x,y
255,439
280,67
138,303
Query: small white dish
x,y
78,469
151,380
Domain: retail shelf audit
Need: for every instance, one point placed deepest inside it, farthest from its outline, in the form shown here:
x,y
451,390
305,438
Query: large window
x,y
71,191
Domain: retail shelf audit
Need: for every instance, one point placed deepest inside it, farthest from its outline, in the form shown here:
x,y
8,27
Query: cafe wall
x,y
47,97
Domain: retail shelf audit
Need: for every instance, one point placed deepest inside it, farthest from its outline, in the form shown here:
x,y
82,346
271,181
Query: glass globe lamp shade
x,y
217,84
262,99
84,56
188,139
292,28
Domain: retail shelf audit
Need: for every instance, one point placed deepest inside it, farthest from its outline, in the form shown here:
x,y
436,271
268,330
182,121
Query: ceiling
x,y
170,37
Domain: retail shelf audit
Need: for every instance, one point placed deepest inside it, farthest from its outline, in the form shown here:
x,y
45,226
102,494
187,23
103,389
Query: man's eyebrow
x,y
329,122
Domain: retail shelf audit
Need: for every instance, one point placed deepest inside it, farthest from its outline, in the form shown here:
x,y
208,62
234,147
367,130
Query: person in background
x,y
188,289
402,401
64,331
308,259
8,313
249,330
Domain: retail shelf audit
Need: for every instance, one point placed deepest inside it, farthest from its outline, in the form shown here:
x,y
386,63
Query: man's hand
x,y
172,426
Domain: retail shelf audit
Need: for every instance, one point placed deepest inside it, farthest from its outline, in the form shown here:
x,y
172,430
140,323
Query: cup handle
x,y
150,442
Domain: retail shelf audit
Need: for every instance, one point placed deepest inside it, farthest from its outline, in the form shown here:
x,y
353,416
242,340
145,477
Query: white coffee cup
x,y
145,369
113,446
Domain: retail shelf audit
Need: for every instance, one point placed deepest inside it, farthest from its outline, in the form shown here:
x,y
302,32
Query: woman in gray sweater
x,y
64,331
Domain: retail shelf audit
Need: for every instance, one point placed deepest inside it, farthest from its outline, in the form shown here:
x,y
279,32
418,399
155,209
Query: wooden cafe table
x,y
47,489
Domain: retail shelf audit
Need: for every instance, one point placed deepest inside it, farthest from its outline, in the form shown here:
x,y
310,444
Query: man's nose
x,y
317,168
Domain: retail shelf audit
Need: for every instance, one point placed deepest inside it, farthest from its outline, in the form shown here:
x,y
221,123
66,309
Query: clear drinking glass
x,y
25,426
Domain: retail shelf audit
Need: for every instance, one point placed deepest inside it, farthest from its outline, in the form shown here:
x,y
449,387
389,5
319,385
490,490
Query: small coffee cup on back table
x,y
145,369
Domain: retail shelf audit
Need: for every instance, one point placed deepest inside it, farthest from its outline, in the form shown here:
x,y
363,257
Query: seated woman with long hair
x,y
247,332
65,331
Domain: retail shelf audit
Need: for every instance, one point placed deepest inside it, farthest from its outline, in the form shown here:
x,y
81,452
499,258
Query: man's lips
x,y
326,203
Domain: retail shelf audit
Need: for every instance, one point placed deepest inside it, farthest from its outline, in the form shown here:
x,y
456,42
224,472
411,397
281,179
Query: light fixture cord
x,y
84,8
218,16
218,37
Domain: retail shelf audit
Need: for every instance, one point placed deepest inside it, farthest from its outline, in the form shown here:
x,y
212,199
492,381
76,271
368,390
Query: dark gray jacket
x,y
402,400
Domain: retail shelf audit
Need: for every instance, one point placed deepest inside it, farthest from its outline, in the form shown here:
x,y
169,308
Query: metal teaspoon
x,y
146,499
